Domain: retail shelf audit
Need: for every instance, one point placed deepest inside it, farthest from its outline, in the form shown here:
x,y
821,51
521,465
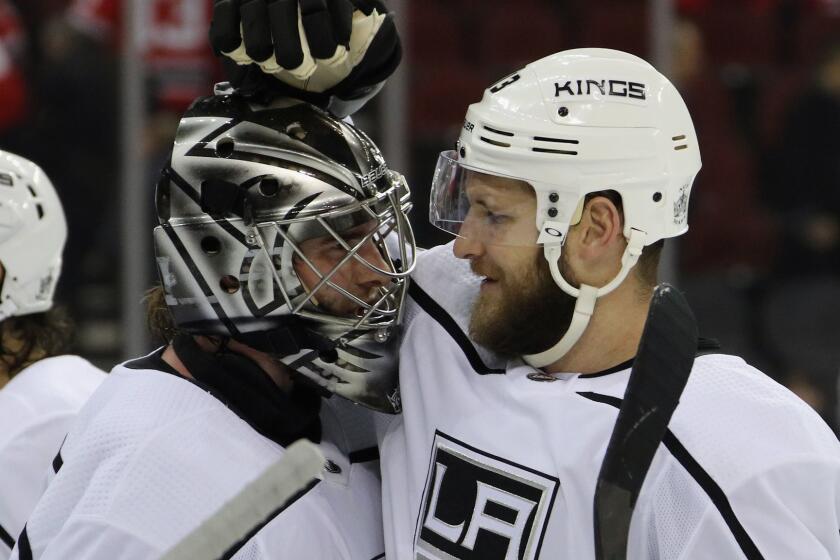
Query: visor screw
x,y
332,468
657,196
563,111
554,197
552,212
381,335
463,152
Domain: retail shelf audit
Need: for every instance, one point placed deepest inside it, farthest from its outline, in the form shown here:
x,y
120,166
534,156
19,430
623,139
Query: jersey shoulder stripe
x,y
449,324
58,462
6,538
23,547
703,479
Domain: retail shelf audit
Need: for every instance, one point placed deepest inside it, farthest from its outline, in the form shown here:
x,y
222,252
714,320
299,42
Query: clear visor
x,y
482,207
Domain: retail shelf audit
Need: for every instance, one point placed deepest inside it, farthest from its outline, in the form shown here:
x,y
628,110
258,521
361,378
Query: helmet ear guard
x,y
246,187
571,124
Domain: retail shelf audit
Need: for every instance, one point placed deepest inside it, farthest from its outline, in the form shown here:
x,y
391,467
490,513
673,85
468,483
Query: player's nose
x,y
467,247
468,243
364,276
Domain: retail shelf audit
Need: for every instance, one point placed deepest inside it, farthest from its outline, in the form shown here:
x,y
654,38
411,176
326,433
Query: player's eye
x,y
497,219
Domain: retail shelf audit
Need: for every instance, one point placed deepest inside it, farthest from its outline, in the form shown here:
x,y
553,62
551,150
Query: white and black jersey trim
x,y
25,552
437,313
703,479
24,548
58,462
6,538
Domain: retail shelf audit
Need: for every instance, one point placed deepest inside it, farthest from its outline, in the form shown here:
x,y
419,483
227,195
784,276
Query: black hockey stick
x,y
659,375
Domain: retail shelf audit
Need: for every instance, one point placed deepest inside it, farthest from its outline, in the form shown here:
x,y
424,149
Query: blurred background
x,y
92,90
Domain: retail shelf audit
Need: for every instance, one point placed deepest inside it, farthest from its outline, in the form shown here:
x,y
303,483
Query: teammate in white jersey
x,y
519,340
40,390
277,283
565,180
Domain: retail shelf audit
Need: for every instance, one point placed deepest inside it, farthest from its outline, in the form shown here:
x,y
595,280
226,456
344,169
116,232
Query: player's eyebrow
x,y
489,208
487,201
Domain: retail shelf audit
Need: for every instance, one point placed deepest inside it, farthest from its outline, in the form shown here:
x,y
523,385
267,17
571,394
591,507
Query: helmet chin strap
x,y
586,297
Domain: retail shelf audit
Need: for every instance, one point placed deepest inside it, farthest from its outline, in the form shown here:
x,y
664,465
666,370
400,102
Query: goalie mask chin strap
x,y
586,298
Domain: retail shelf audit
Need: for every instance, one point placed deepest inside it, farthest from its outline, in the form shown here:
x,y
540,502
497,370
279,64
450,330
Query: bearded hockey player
x,y
520,339
567,177
275,270
40,390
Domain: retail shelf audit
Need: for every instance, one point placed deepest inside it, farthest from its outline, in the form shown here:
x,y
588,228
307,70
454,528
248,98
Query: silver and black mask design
x,y
246,190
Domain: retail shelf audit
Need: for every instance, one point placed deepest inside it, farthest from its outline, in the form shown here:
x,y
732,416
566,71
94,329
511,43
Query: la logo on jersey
x,y
477,505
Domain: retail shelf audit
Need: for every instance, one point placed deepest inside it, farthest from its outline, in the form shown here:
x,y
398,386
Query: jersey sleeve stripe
x,y
437,313
6,538
58,462
716,494
703,479
24,548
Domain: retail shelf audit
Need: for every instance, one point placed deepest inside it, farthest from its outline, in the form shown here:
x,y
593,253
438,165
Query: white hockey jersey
x,y
37,408
153,455
500,462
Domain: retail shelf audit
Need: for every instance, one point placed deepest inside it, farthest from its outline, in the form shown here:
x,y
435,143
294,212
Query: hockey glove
x,y
335,53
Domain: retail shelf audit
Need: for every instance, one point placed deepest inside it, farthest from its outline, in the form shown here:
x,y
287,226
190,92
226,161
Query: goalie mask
x,y
574,123
33,232
247,190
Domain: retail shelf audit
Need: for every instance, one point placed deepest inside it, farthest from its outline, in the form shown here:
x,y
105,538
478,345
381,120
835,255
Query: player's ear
x,y
595,245
600,225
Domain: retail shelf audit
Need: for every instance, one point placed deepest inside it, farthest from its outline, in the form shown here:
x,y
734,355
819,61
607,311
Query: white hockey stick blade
x,y
302,463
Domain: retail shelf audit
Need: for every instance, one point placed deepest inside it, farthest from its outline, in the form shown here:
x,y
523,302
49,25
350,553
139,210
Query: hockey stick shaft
x,y
241,517
660,373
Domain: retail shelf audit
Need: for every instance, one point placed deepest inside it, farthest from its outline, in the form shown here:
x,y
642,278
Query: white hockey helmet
x,y
570,124
33,232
